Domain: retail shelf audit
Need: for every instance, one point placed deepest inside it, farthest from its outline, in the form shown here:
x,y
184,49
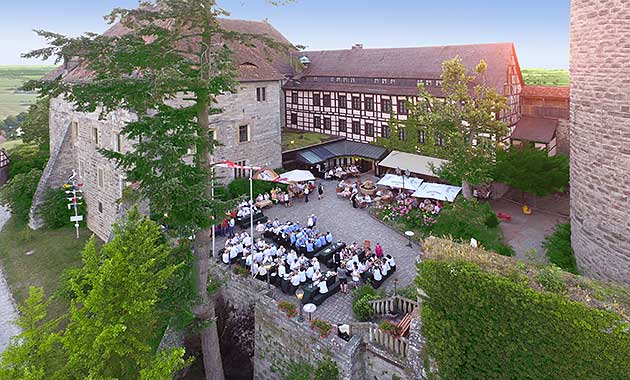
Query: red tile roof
x,y
545,92
254,63
535,129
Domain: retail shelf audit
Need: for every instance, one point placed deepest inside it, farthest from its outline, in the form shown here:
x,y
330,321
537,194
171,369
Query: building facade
x,y
353,93
249,130
600,137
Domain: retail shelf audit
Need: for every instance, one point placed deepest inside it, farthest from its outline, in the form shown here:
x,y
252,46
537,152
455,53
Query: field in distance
x,y
12,100
545,77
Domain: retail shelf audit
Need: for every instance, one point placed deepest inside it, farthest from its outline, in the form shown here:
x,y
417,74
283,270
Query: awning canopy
x,y
412,162
400,182
266,175
437,191
340,148
295,176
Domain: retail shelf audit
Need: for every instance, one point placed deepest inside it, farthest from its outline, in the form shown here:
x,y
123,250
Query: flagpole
x,y
214,221
251,207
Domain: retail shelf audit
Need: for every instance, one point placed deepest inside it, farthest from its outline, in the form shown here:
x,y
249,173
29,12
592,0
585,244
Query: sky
x,y
539,28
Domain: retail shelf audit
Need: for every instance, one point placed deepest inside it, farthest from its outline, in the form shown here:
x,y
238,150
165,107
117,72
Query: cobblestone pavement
x,y
348,224
8,313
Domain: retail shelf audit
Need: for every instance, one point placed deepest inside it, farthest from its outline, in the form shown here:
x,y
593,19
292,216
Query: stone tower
x,y
600,137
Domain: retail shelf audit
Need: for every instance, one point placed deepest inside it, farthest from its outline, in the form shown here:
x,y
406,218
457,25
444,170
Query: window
x,y
326,100
317,122
369,129
356,127
117,142
238,172
100,207
293,118
315,99
327,124
343,125
402,107
294,97
422,137
75,129
95,136
386,106
439,140
356,103
100,181
243,133
401,133
261,94
385,131
369,104
343,101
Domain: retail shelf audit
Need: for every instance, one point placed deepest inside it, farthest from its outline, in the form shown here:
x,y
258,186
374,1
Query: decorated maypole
x,y
74,193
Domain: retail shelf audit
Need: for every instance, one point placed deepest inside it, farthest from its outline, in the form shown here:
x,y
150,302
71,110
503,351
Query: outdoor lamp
x,y
299,293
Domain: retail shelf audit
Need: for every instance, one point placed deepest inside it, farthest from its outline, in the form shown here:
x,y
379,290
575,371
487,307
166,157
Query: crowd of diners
x,y
290,255
340,172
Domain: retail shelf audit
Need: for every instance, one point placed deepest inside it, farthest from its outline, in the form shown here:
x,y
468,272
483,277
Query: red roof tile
x,y
545,92
535,129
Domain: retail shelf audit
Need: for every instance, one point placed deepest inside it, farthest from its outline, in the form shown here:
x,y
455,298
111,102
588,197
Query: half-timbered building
x,y
353,93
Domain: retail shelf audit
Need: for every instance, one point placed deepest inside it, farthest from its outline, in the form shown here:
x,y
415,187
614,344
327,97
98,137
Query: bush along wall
x,y
558,248
487,317
54,210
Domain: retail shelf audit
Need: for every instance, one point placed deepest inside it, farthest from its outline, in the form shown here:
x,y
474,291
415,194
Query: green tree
x,y
114,318
18,194
463,126
187,54
35,124
33,354
532,170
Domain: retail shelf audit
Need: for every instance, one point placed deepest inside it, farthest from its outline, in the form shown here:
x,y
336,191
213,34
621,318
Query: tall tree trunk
x,y
467,190
204,311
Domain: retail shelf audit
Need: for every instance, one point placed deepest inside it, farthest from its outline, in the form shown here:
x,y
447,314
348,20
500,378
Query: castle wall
x,y
75,138
600,137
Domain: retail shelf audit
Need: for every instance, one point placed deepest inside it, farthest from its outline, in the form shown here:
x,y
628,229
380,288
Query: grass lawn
x,y
545,77
53,252
8,145
13,101
296,140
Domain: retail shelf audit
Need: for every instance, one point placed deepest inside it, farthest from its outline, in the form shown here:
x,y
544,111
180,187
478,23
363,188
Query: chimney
x,y
357,46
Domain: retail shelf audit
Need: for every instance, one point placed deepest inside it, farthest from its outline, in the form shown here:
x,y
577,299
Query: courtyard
x,y
347,224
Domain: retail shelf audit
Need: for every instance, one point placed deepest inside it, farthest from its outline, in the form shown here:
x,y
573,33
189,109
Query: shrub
x,y
288,307
492,220
326,370
240,187
54,210
322,327
18,194
558,248
550,277
25,158
240,270
480,324
361,298
390,328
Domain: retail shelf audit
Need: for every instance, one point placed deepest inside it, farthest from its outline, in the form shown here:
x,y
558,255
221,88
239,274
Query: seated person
x,y
310,246
376,273
323,287
249,260
317,276
302,275
309,272
385,268
315,264
295,279
322,240
282,270
329,238
391,262
317,243
226,256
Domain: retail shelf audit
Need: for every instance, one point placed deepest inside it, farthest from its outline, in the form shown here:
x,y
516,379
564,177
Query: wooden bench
x,y
404,324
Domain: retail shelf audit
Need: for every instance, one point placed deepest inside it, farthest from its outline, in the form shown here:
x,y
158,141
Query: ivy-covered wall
x,y
487,317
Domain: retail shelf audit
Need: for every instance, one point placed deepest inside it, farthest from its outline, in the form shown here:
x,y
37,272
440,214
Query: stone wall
x,y
74,146
563,141
600,137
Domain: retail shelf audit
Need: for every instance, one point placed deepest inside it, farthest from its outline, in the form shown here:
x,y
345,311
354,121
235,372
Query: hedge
x,y
487,318
18,194
240,187
54,210
558,248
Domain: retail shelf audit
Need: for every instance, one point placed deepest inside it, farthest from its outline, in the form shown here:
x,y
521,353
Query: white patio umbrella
x,y
437,191
295,176
400,182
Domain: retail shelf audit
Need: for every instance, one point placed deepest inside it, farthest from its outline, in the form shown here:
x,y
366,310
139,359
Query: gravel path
x,y
8,312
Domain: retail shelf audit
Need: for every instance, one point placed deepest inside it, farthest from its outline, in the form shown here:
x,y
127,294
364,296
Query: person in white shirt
x,y
226,256
377,274
309,273
302,275
384,269
262,270
254,269
315,264
249,260
258,256
294,266
295,279
391,262
323,287
247,241
282,270
317,276
233,252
